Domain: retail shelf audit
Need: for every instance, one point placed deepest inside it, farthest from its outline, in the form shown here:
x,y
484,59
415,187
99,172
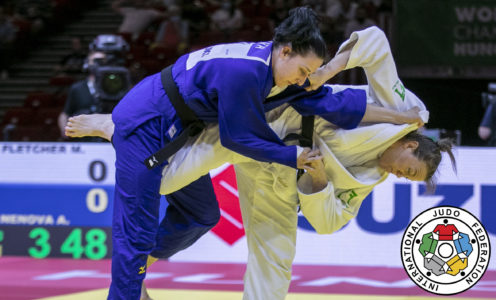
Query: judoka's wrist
x,y
332,68
318,183
305,192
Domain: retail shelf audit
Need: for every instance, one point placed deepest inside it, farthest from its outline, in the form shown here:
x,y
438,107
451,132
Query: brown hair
x,y
429,151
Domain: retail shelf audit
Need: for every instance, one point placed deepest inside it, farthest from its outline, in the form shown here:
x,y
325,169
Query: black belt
x,y
306,137
191,124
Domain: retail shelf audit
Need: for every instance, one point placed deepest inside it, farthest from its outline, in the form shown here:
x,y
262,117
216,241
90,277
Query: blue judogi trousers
x,y
136,231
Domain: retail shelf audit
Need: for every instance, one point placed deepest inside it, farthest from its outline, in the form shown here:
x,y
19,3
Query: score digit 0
x,y
94,167
97,200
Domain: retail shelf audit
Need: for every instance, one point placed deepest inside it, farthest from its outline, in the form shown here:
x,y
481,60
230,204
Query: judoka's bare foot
x,y
100,125
144,293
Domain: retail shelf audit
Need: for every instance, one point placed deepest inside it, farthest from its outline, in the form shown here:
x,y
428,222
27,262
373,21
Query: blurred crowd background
x,y
52,65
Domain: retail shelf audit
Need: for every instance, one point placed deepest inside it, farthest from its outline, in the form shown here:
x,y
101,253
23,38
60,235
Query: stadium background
x,y
56,194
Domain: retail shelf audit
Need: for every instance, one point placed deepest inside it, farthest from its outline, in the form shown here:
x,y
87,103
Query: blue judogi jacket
x,y
229,84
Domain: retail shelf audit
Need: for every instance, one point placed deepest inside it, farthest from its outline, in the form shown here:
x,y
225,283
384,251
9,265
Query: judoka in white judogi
x,y
269,193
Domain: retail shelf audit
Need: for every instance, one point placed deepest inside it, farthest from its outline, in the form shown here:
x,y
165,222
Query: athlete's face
x,y
400,160
289,68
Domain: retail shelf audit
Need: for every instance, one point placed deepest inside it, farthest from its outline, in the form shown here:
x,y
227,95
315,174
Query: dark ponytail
x,y
429,152
301,31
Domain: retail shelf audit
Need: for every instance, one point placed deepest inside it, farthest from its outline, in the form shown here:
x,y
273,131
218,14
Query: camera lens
x,y
113,83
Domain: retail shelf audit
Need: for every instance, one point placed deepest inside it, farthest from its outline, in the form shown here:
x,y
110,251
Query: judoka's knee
x,y
170,243
207,218
212,221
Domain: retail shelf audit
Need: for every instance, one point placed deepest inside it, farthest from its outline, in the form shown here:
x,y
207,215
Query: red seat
x,y
23,28
62,80
51,133
252,10
26,133
61,3
162,52
247,36
34,133
209,38
47,116
127,36
137,52
39,100
59,100
146,38
210,8
152,65
259,24
18,116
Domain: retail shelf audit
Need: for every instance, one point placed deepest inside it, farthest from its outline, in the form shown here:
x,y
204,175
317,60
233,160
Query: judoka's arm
x,y
325,212
378,114
331,69
242,124
344,108
369,49
347,108
372,52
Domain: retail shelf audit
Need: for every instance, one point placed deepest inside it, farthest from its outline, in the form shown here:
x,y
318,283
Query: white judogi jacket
x,y
269,193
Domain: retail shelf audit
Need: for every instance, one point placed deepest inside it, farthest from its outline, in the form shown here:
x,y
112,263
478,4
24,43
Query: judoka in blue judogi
x,y
225,84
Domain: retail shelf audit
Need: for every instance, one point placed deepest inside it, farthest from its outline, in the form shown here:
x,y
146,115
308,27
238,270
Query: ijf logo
x,y
445,250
